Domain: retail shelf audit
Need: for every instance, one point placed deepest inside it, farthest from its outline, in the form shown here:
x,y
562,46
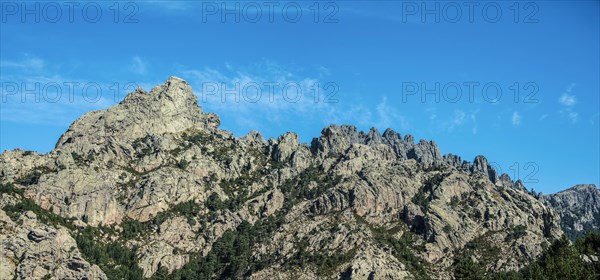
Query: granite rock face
x,y
336,140
31,249
578,207
157,175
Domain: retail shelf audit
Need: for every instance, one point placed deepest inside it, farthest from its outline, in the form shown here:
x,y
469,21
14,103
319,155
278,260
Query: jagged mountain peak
x,y
168,108
173,91
176,88
336,139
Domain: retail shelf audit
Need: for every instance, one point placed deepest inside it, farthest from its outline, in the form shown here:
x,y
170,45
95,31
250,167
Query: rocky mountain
x,y
153,188
578,207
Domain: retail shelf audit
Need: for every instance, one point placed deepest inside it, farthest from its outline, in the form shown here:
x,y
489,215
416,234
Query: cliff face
x,y
155,176
578,207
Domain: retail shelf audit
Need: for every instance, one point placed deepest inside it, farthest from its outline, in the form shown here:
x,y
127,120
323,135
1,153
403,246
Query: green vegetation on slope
x,y
9,188
567,223
402,248
231,255
562,260
43,215
116,260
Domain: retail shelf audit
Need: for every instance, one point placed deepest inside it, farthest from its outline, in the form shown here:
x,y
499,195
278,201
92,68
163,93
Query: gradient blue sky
x,y
366,53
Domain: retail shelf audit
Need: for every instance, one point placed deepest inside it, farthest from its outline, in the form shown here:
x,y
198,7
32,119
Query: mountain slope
x,y
156,177
578,207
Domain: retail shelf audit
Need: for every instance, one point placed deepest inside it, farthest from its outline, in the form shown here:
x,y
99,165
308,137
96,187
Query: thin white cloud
x,y
389,117
138,65
330,105
323,71
458,119
543,117
573,116
45,96
334,115
432,111
567,99
474,120
441,121
28,64
51,101
266,89
516,118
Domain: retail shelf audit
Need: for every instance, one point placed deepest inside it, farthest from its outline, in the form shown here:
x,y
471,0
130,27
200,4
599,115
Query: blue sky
x,y
373,63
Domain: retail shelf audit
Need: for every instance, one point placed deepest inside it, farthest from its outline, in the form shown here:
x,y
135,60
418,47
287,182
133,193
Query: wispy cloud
x,y
138,65
35,93
474,120
452,121
265,91
389,117
516,118
568,101
573,116
26,64
240,93
323,71
458,119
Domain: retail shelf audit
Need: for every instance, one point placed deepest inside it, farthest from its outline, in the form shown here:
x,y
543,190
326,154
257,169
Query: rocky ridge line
x,y
157,175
